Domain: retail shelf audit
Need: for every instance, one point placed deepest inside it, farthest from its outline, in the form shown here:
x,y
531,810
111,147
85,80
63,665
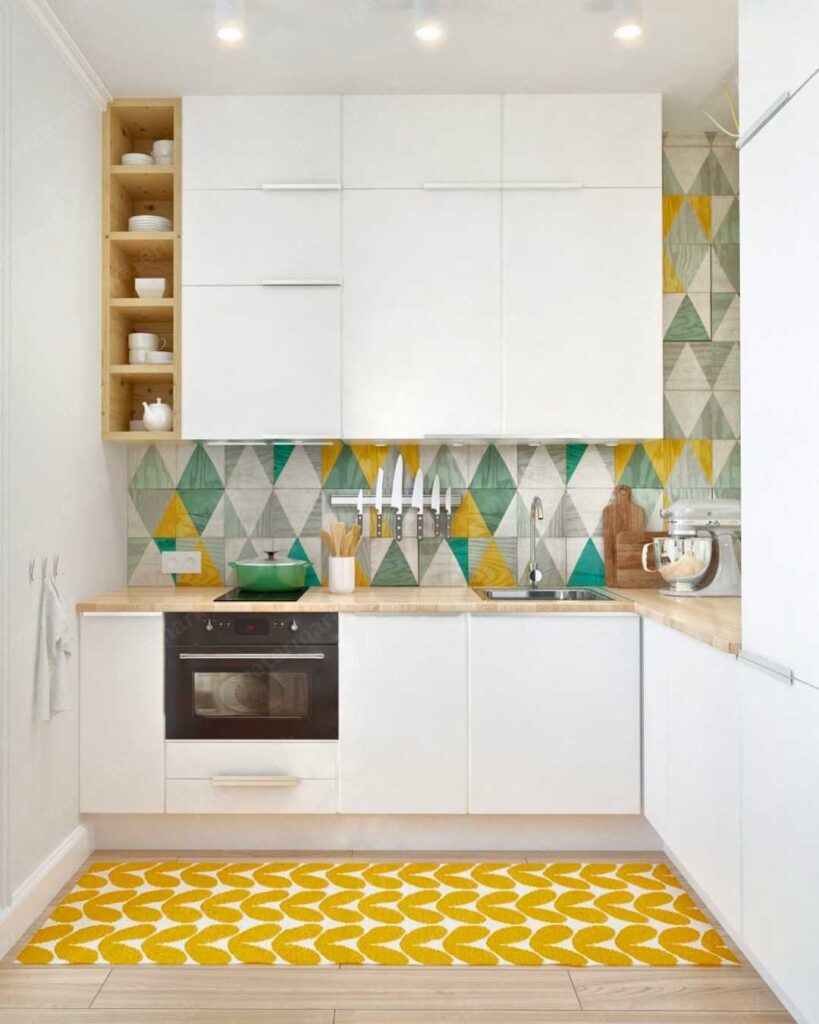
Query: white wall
x,y
66,490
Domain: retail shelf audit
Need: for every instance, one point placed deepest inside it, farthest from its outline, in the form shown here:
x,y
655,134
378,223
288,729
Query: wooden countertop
x,y
714,621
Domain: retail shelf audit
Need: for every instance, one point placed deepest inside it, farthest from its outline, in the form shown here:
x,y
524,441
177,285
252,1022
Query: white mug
x,y
145,342
163,147
341,578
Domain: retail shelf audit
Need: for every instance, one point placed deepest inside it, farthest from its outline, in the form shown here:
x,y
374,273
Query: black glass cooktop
x,y
266,596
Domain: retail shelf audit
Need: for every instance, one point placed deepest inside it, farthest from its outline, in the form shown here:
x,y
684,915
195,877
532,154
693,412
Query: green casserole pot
x,y
270,573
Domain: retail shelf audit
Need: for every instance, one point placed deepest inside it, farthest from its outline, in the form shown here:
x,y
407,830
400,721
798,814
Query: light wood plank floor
x,y
380,995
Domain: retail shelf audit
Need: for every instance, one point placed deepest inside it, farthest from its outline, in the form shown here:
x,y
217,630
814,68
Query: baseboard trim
x,y
42,885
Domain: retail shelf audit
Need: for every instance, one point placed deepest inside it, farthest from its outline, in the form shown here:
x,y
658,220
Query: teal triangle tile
x,y
492,504
200,472
297,551
640,471
281,453
165,543
589,571
687,324
446,468
492,472
394,570
574,453
273,521
151,505
200,504
152,473
233,524
671,187
459,546
346,474
136,549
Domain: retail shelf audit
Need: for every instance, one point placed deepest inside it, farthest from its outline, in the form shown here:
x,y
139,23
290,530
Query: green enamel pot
x,y
269,573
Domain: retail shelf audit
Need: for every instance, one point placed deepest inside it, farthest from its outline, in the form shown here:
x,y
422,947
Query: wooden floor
x,y
381,995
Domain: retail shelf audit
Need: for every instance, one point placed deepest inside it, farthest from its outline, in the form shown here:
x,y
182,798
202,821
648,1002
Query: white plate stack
x,y
149,222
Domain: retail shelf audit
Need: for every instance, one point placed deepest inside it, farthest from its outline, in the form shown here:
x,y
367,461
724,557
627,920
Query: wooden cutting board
x,y
621,516
628,565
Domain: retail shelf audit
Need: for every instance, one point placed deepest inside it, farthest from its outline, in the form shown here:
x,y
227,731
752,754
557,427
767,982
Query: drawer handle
x,y
301,282
255,656
272,781
301,186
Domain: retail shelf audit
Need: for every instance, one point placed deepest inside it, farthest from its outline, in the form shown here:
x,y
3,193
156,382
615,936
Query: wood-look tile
x,y
551,1017
176,1016
50,986
381,988
737,990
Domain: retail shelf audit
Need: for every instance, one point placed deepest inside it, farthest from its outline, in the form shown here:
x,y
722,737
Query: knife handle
x,y
398,526
420,521
360,520
448,516
437,519
379,524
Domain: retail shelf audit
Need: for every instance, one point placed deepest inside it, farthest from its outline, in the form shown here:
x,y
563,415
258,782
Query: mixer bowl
x,y
681,561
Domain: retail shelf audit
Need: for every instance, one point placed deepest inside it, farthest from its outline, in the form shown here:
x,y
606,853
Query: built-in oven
x,y
254,676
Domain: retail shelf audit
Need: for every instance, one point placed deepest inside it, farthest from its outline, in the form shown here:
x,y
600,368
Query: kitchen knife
x,y
448,507
435,504
418,502
398,496
359,508
379,502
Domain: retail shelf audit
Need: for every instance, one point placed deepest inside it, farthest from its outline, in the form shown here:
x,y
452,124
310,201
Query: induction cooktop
x,y
265,596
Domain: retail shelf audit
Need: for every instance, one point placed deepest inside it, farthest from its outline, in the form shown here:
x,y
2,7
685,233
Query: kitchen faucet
x,y
535,511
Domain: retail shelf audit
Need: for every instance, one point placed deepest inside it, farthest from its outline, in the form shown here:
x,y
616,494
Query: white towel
x,y
54,648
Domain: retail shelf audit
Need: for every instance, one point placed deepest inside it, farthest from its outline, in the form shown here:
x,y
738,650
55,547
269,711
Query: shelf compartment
x,y
136,124
121,323
127,262
145,182
126,392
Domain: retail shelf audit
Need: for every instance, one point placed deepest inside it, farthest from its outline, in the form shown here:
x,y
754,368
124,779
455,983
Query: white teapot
x,y
158,416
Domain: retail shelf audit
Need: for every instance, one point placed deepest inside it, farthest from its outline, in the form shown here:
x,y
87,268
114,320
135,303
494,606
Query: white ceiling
x,y
168,48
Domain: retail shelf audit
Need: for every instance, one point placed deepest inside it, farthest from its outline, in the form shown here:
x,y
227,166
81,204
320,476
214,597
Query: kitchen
x,y
381,534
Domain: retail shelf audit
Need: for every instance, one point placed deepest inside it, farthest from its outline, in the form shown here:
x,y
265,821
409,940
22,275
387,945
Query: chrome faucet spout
x,y
535,513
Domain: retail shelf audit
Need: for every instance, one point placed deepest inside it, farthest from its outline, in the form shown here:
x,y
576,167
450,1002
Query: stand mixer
x,y
684,557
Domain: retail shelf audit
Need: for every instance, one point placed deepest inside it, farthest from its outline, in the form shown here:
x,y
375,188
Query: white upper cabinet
x,y
248,236
261,362
593,140
778,52
252,141
582,313
421,313
780,382
409,141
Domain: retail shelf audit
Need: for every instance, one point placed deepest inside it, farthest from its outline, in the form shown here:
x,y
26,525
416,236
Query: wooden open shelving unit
x,y
132,126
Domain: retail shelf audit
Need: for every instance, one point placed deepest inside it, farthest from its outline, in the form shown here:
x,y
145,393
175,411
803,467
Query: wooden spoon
x,y
337,530
328,542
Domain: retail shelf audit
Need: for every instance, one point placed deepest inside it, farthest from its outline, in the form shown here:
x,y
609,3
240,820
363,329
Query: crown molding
x,y
58,34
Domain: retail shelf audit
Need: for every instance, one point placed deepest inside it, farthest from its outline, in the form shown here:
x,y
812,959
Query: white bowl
x,y
149,287
137,158
159,357
149,222
145,342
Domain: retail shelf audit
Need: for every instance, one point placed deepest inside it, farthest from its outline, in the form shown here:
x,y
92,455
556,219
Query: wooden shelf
x,y
141,310
139,436
145,246
147,370
148,181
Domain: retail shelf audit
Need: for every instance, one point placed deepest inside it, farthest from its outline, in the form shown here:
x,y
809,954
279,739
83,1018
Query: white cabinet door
x,y
421,313
554,714
780,800
656,688
780,382
778,51
261,362
244,236
402,714
582,313
408,141
596,140
122,714
250,141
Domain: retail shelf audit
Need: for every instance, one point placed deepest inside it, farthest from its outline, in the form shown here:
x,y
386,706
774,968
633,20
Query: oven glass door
x,y
261,694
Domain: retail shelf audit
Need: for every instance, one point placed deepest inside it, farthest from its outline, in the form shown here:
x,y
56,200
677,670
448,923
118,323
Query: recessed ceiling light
x,y
428,25
230,20
628,20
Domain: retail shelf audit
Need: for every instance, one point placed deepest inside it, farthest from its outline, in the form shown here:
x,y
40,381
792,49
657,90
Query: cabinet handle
x,y
293,186
301,282
255,656
502,186
771,668
763,119
272,781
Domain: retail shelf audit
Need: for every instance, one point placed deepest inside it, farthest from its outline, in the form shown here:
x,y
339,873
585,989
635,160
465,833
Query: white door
x,y
252,141
780,822
778,51
410,141
261,362
421,313
582,313
780,386
245,236
606,140
554,714
656,688
402,714
122,714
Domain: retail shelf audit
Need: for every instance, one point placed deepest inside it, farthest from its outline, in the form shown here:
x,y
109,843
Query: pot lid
x,y
269,558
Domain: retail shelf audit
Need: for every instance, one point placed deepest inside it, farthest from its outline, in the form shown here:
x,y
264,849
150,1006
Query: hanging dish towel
x,y
54,641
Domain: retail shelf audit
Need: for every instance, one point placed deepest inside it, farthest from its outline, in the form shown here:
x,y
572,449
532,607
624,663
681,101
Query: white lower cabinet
x,y
403,714
555,714
122,716
655,726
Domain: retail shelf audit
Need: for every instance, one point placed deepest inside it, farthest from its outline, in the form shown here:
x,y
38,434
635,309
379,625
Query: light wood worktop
x,y
714,621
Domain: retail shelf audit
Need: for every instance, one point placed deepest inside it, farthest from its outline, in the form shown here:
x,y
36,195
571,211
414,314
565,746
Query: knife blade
x,y
448,507
418,502
397,501
359,508
435,504
379,503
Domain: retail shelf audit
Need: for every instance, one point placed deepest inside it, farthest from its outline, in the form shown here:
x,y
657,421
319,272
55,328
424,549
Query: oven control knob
x,y
294,626
209,625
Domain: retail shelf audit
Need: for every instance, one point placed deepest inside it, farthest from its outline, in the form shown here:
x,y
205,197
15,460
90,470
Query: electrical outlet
x,y
181,561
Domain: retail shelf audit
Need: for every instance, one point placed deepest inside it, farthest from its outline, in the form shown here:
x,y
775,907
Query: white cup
x,y
146,342
163,147
150,287
341,579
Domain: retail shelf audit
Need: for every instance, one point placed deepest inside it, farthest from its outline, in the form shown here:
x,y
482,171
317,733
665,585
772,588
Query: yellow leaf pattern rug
x,y
435,914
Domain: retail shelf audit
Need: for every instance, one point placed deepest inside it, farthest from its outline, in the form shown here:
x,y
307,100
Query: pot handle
x,y
645,557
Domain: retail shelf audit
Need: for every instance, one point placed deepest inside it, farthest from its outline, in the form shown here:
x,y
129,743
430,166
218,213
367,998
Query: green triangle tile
x,y
589,571
574,453
492,471
711,180
136,549
200,471
640,471
297,551
165,543
727,255
459,546
346,474
234,527
687,324
394,570
492,504
152,473
671,187
200,504
728,230
281,453
445,468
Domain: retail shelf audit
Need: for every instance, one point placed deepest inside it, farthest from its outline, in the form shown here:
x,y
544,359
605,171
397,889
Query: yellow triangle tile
x,y
705,456
360,576
329,457
671,282
492,570
412,457
208,577
370,458
671,452
173,518
671,207
622,454
654,450
467,520
701,205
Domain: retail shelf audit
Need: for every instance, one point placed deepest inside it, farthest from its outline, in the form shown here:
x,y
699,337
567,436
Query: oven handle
x,y
255,656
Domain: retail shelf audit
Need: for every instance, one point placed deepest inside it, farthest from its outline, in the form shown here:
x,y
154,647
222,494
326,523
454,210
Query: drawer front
x,y
205,759
201,796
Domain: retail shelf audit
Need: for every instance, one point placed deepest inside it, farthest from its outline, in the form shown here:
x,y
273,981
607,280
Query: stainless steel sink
x,y
560,594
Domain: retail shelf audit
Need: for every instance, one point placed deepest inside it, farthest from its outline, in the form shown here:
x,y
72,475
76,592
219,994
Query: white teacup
x,y
163,147
143,341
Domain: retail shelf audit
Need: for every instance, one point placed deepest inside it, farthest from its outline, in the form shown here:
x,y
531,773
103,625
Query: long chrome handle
x,y
275,781
771,668
301,282
301,186
255,656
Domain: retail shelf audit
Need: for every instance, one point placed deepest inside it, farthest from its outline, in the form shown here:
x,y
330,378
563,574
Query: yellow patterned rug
x,y
435,914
